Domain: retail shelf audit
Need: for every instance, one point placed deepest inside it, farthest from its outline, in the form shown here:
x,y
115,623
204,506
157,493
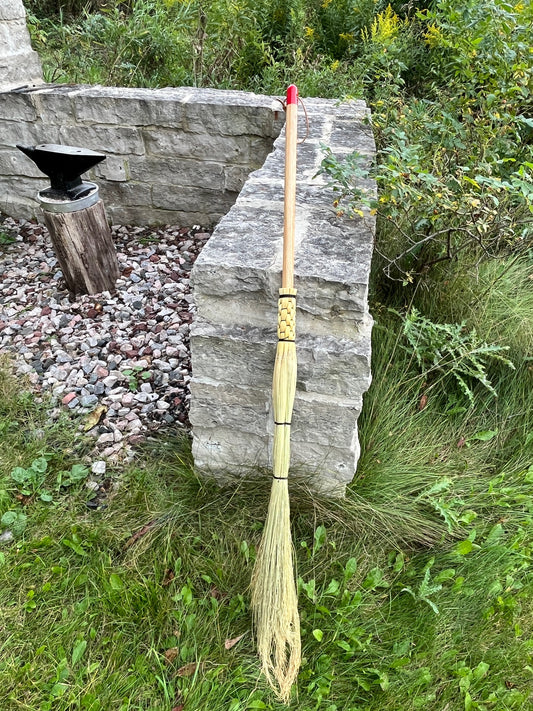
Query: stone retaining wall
x,y
236,280
174,156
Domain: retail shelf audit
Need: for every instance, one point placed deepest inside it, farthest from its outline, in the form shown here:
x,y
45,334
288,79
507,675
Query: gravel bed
x,y
120,361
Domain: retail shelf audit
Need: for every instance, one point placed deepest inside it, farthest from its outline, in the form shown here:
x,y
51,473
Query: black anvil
x,y
63,165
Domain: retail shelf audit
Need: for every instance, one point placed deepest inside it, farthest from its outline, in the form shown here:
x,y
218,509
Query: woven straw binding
x,y
287,315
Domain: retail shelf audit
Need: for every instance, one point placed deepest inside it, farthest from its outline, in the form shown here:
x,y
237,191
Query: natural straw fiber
x,y
274,599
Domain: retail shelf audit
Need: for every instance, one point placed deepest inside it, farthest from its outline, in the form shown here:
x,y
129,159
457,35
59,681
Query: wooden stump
x,y
84,249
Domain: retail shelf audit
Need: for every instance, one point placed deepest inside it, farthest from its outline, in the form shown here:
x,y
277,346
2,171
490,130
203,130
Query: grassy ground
x,y
415,592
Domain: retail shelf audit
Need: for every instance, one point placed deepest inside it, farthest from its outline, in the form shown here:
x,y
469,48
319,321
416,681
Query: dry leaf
x,y
423,402
461,443
178,708
189,669
214,592
171,654
144,530
169,577
229,643
94,417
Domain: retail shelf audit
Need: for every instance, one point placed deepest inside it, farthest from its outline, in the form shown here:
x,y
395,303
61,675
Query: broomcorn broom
x,y
274,599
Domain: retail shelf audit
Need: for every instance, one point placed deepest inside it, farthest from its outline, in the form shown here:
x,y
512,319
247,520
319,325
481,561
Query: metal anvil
x,y
64,166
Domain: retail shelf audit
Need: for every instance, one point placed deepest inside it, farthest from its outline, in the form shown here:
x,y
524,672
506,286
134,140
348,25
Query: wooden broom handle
x,y
291,135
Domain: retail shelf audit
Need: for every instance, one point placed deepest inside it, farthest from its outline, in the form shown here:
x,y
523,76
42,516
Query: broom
x,y
273,590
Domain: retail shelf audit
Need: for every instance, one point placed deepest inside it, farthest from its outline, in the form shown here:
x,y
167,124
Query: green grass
x,y
415,592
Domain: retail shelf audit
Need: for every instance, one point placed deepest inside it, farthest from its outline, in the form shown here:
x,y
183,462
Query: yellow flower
x,y
384,28
309,32
433,36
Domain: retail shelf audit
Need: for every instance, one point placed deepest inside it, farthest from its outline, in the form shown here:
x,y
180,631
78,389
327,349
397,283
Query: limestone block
x,y
26,132
347,136
128,194
188,172
54,104
235,177
175,197
244,356
230,113
230,405
205,116
13,162
122,140
21,202
331,267
12,10
138,107
223,149
16,106
317,419
20,70
14,37
225,453
233,340
215,451
19,64
116,169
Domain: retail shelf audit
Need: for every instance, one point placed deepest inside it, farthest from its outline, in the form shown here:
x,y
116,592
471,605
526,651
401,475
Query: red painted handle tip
x,y
292,95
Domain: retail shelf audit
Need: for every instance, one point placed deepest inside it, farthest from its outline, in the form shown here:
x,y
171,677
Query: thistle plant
x,y
451,349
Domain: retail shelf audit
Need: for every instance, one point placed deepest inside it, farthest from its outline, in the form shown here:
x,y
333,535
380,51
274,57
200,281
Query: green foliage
x,y
136,375
29,481
46,8
443,349
437,214
482,50
426,589
6,239
15,521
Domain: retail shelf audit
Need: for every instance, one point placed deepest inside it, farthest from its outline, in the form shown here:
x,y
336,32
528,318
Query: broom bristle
x,y
274,598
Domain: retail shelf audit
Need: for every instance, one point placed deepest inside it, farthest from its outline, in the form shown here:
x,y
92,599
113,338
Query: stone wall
x,y
19,64
236,281
174,156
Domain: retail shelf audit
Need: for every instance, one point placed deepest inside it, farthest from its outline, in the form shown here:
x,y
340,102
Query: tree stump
x,y
84,249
